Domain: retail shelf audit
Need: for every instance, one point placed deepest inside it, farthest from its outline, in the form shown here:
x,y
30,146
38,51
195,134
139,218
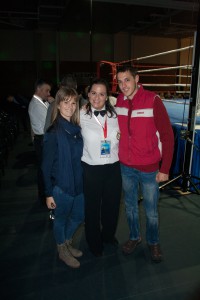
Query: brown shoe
x,y
156,254
130,246
75,252
66,256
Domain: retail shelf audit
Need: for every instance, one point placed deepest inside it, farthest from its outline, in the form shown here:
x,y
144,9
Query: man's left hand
x,y
160,177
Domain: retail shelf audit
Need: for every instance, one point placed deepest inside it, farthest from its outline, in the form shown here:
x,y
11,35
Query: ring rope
x,y
167,68
167,84
157,54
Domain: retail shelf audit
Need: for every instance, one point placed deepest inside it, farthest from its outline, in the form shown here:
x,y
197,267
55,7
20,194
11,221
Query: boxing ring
x,y
172,84
178,111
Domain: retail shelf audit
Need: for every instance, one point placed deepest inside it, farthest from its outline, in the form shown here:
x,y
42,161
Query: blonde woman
x,y
62,171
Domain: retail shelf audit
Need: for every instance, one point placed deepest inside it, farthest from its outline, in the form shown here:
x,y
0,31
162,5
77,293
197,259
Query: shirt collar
x,y
45,103
37,97
93,109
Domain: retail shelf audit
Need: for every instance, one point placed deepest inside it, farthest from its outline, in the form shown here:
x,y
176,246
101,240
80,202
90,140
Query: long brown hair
x,y
64,94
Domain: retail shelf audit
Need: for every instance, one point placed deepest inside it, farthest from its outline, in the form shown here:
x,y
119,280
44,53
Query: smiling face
x,y
128,83
97,96
67,108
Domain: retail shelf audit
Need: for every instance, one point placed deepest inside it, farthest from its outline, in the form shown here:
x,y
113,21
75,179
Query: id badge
x,y
105,148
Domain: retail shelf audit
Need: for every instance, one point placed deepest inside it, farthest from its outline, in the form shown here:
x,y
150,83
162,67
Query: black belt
x,y
38,135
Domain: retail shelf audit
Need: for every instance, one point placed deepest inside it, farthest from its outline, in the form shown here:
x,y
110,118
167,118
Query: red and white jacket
x,y
146,134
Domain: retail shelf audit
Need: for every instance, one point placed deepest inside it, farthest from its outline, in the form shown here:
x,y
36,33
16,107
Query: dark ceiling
x,y
166,18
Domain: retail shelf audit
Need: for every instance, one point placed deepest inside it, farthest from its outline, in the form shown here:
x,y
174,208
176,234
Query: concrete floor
x,y
30,268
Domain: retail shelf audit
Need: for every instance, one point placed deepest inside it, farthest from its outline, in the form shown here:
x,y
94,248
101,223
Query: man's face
x,y
127,83
44,91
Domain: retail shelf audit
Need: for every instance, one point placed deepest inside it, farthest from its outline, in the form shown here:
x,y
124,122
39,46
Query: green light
x,y
107,49
47,65
80,35
63,36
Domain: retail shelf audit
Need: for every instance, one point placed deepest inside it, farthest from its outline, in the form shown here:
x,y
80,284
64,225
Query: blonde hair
x,y
66,94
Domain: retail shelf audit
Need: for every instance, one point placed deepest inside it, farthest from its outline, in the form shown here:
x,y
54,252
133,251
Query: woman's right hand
x,y
50,203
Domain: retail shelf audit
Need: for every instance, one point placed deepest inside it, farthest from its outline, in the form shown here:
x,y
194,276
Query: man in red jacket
x,y
145,152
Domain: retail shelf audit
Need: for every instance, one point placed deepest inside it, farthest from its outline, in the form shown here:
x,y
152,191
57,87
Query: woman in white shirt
x,y
101,168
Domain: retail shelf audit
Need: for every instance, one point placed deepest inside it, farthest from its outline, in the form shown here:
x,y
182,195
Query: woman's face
x,y
67,108
97,96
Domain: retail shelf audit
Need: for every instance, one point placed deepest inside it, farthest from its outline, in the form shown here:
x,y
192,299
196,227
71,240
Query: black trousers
x,y
102,191
38,145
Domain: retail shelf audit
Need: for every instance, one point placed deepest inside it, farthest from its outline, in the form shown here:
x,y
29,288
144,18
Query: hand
x,y
50,99
50,203
160,177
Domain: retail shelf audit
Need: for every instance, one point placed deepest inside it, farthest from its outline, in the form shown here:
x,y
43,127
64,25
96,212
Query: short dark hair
x,y
40,82
125,68
69,81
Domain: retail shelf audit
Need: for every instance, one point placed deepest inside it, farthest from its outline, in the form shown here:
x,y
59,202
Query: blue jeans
x,y
69,214
131,180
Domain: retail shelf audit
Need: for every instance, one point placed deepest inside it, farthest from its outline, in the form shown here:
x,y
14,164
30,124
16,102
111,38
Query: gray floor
x,y
30,268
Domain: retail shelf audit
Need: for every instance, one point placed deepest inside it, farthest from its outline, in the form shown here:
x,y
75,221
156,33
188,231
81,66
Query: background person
x,y
83,100
62,170
37,112
145,152
68,81
101,168
17,107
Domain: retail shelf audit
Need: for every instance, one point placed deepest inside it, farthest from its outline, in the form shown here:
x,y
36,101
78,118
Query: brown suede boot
x,y
74,252
66,256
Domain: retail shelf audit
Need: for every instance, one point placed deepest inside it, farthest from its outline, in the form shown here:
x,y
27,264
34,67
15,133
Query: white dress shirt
x,y
93,134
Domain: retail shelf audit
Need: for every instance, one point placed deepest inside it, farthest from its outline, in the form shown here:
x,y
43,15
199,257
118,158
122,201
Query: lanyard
x,y
103,127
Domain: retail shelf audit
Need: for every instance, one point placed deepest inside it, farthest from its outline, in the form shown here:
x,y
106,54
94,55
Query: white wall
x,y
122,47
146,45
186,56
102,47
31,46
28,55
